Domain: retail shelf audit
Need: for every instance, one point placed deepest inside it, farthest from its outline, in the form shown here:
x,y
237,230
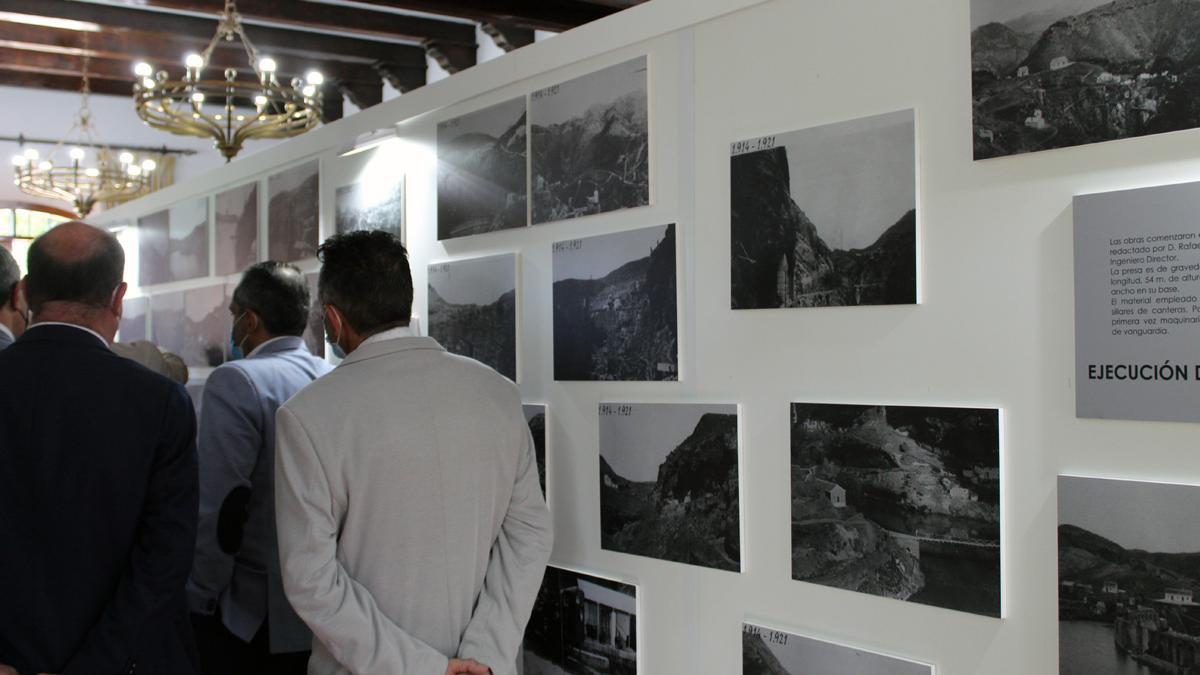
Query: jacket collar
x,y
286,343
64,333
386,347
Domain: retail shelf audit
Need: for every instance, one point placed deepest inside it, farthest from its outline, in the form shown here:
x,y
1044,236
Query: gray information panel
x,y
1137,304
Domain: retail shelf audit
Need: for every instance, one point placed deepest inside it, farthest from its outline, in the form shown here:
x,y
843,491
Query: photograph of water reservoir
x,y
590,144
371,204
237,229
1059,73
293,213
154,241
482,165
581,625
766,651
669,482
826,217
187,248
898,501
535,415
473,310
134,317
615,307
1128,577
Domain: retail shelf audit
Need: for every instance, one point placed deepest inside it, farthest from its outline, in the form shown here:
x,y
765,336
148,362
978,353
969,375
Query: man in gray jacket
x,y
14,313
412,528
242,619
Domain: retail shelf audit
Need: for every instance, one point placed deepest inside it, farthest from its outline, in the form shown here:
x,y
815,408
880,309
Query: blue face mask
x,y
334,346
235,347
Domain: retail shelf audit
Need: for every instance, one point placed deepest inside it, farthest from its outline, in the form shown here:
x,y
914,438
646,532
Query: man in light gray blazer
x,y
14,313
242,619
412,528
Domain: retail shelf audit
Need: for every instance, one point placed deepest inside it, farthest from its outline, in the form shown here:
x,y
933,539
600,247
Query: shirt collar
x,y
390,334
7,331
76,326
271,341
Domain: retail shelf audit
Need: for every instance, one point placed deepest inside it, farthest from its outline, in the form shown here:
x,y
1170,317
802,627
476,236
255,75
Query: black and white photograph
x,y
481,171
293,213
134,318
615,311
901,502
535,416
473,310
371,204
766,651
314,335
669,482
825,217
237,229
1128,577
188,247
581,625
154,242
590,144
194,324
1052,74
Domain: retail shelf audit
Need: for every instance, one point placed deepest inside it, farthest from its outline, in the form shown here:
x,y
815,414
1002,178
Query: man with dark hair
x,y
243,621
14,314
98,490
412,528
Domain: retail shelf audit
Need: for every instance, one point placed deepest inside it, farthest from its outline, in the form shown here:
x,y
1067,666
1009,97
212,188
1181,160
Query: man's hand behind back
x,y
467,667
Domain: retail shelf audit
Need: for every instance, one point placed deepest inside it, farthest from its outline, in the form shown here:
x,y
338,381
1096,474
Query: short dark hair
x,y
10,274
84,280
365,274
278,294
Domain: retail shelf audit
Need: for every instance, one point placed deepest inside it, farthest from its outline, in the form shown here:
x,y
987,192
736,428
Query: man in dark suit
x,y
98,481
14,315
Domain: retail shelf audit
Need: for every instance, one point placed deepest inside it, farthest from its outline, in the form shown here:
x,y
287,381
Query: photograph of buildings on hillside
x,y
581,625
1058,73
1128,577
669,482
898,501
473,310
615,307
590,144
826,217
482,164
766,651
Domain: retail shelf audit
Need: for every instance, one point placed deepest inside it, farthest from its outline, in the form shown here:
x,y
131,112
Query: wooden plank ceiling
x,y
356,47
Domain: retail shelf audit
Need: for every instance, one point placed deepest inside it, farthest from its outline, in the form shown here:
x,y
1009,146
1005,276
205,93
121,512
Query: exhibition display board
x,y
795,297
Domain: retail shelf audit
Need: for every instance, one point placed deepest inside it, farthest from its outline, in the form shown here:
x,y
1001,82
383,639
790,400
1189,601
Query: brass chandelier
x,y
229,110
112,178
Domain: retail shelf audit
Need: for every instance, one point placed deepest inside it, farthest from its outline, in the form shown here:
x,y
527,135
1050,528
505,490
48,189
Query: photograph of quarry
x,y
898,501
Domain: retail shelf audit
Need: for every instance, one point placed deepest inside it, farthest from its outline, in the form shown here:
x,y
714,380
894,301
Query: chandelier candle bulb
x,y
31,154
143,69
315,78
126,157
77,154
149,165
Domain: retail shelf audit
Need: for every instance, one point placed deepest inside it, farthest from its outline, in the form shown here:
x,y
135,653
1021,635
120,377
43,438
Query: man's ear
x,y
19,293
118,300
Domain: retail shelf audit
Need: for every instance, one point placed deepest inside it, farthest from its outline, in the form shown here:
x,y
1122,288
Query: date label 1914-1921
x,y
545,93
449,124
752,145
615,409
771,636
571,245
443,268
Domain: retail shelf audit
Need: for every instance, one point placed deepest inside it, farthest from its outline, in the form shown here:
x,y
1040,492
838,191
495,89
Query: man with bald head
x,y
98,482
14,315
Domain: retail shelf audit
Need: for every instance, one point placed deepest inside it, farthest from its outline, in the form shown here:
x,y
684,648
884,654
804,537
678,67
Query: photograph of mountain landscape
x,y
535,415
193,324
590,144
615,307
766,651
581,625
237,229
826,217
482,165
473,310
898,501
154,242
669,482
1128,577
293,213
314,335
187,249
1058,73
370,205
133,319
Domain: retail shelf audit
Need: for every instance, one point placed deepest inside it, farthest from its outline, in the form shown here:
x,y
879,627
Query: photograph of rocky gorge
x,y
370,205
826,217
590,144
293,213
481,171
581,625
237,229
314,335
193,324
133,319
1058,73
535,415
898,501
187,246
766,651
1128,577
615,307
669,482
473,310
154,241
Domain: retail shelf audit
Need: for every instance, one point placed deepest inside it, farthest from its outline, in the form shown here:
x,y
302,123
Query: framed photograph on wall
x,y
293,212
154,242
193,324
473,310
372,203
766,651
582,625
237,229
481,171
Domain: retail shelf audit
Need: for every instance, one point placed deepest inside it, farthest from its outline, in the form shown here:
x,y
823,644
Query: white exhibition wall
x,y
994,328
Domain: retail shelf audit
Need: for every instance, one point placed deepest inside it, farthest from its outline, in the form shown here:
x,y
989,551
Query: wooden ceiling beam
x,y
17,78
508,37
